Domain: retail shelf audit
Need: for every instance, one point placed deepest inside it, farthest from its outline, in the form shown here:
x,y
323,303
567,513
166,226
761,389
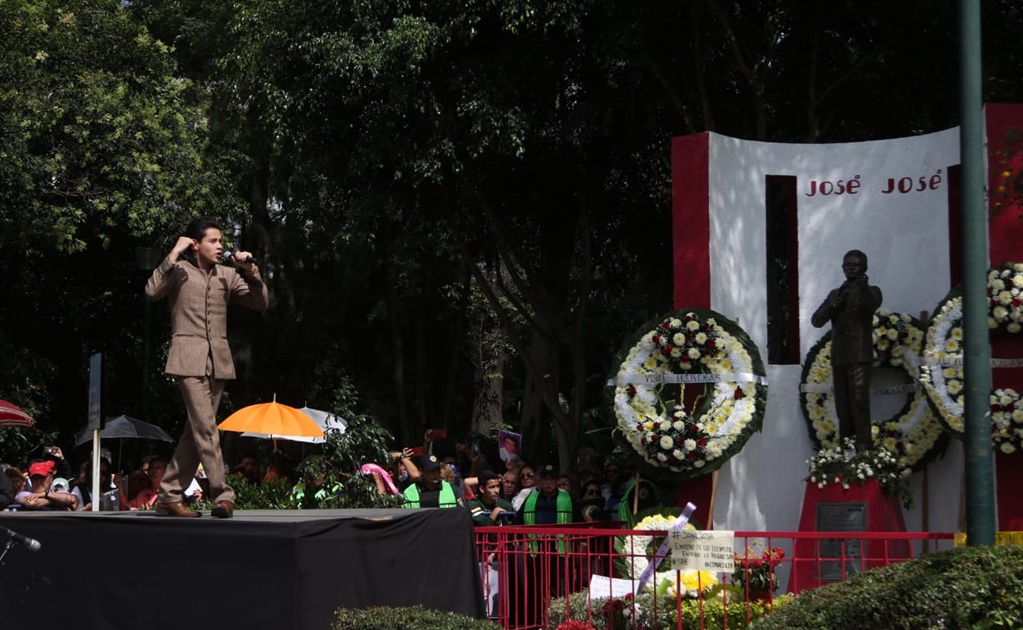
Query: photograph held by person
x,y
199,358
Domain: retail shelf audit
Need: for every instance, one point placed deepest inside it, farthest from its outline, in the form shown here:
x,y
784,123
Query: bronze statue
x,y
850,309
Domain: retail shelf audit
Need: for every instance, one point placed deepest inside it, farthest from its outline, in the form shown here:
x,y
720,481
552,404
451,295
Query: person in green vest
x,y
431,491
548,567
549,506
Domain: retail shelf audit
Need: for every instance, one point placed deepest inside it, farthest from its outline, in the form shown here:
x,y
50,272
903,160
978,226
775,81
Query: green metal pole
x,y
980,505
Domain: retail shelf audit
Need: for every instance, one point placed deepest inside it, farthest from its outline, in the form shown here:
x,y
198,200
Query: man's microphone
x,y
230,256
31,543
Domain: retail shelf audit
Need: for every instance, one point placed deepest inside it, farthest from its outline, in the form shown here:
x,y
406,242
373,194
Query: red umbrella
x,y
14,416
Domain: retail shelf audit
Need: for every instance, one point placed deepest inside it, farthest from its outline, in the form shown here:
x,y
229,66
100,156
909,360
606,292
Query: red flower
x,y
702,442
738,393
710,343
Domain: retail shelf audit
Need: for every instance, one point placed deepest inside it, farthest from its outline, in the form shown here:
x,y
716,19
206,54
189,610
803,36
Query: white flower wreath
x,y
913,432
942,372
690,347
1007,419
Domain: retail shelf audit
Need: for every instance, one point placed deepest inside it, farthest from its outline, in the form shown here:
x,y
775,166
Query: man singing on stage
x,y
200,358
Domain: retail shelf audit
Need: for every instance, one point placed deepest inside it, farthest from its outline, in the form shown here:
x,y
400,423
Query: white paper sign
x,y
693,550
602,587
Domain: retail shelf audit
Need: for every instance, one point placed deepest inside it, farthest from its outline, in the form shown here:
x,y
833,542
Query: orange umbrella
x,y
271,417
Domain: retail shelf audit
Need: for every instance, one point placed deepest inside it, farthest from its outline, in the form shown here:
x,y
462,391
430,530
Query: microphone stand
x,y
7,547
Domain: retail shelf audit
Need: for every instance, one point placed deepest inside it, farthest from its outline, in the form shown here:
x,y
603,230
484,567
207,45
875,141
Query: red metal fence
x,y
540,576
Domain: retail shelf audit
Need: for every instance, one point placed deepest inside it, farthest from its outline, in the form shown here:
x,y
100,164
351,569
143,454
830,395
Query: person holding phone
x,y
199,292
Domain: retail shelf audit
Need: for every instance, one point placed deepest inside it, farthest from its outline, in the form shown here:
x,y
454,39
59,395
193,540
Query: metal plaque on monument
x,y
841,517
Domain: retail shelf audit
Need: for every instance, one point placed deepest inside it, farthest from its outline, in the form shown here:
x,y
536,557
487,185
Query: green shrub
x,y
713,613
403,618
968,587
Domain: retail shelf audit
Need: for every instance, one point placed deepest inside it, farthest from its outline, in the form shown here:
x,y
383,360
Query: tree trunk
x,y
488,399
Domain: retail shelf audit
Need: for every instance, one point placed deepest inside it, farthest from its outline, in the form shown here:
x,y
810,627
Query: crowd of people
x,y
48,483
507,491
496,492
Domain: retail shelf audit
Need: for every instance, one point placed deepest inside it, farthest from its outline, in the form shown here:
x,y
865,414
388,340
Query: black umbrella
x,y
125,427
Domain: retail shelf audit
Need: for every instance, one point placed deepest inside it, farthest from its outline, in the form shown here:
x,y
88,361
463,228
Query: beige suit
x,y
200,359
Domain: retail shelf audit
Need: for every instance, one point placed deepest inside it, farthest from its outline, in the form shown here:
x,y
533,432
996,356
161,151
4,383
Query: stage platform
x,y
260,569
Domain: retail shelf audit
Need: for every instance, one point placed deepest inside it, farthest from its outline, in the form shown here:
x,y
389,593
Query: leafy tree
x,y
104,149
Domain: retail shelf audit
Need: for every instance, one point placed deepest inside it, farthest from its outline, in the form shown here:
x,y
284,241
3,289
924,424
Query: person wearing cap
x,y
550,505
41,497
431,491
546,566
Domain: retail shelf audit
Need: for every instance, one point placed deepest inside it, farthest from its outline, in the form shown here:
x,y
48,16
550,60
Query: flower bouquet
x,y
833,465
754,574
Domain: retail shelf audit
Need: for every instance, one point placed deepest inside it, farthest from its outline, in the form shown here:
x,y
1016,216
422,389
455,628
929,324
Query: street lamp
x,y
147,259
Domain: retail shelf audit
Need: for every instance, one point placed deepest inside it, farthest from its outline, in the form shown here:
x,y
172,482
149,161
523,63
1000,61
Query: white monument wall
x,y
904,233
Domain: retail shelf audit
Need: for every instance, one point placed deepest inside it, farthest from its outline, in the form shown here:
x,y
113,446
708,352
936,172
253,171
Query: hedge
x,y
385,618
968,587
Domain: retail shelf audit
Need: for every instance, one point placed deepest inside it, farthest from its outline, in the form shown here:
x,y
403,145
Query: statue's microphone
x,y
30,543
230,256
